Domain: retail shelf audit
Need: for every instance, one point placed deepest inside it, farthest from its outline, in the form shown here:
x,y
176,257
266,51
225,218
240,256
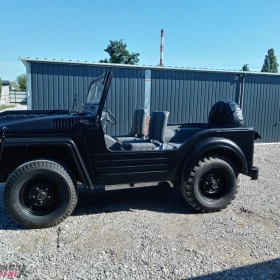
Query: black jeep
x,y
44,154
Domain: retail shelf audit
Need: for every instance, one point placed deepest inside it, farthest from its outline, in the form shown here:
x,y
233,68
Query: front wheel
x,y
212,184
40,194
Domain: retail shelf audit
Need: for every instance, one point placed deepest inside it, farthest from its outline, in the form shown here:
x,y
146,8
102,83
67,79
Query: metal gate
x,y
18,97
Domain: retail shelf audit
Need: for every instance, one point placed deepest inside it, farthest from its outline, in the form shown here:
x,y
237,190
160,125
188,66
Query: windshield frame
x,y
96,108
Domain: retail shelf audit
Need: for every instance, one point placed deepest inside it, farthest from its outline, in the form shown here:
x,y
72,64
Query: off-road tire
x,y
63,184
192,188
226,113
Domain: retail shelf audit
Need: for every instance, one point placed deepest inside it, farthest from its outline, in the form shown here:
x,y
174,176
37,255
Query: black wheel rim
x,y
40,196
213,184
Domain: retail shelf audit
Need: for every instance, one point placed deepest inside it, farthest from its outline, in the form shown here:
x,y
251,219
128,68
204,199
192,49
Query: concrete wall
x,y
5,95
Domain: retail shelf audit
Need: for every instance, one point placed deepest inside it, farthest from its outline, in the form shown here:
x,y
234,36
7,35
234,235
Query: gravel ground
x,y
151,233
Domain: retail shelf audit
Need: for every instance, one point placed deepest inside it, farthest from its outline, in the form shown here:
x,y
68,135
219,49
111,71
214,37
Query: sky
x,y
215,34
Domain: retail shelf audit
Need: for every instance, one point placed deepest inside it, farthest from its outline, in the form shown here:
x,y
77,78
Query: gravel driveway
x,y
152,233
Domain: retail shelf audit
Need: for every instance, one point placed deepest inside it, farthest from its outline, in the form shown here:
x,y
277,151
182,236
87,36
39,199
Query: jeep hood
x,y
33,121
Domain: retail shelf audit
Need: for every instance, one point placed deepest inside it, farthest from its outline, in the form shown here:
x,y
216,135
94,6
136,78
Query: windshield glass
x,y
97,94
95,91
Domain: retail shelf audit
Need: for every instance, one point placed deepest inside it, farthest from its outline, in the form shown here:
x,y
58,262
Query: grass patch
x,y
4,107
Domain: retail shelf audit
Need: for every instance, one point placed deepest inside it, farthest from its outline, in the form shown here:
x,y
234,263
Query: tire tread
x,y
39,164
187,187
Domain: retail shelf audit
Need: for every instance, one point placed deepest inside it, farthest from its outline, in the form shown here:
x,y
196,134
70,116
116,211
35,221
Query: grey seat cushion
x,y
172,146
157,126
138,123
111,143
121,139
137,129
139,145
169,133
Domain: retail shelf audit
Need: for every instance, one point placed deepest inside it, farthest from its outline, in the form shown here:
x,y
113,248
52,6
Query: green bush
x,y
21,80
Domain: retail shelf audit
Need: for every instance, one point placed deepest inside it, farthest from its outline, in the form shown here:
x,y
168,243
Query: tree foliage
x,y
119,54
21,80
0,86
270,62
245,67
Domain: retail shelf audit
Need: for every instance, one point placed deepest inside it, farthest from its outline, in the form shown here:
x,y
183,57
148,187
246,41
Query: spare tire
x,y
225,112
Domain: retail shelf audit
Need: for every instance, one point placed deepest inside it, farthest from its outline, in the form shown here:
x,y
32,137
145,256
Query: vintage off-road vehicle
x,y
44,154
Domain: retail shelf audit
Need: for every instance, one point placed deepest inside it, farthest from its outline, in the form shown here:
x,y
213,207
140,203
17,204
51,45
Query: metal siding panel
x,y
56,96
34,85
120,99
126,95
66,84
45,88
189,96
276,109
50,87
41,88
60,93
262,105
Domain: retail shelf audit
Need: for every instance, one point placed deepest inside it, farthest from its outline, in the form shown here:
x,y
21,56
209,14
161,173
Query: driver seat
x,y
156,137
137,131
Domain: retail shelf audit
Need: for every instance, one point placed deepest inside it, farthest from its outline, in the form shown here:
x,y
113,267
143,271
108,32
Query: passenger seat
x,y
156,136
137,129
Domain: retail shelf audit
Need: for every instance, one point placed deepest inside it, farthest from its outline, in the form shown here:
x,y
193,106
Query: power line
x,y
3,58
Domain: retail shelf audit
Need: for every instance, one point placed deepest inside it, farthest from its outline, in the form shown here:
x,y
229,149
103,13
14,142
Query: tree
x,y
245,67
119,54
0,86
21,80
270,62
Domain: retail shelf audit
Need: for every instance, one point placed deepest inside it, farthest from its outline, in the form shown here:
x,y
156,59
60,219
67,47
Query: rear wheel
x,y
212,184
40,194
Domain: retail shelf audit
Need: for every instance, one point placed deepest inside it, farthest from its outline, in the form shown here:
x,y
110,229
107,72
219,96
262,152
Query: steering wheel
x,y
108,116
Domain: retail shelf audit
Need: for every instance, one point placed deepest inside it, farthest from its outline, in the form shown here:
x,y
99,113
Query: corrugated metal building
x,y
187,94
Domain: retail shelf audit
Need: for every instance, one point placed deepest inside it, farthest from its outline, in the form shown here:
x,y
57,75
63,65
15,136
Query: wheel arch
x,y
212,146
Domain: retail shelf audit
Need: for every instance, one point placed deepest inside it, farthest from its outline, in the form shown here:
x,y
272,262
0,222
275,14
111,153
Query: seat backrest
x,y
138,123
157,126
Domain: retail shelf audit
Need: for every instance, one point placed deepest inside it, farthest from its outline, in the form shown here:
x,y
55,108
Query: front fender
x,y
48,142
211,145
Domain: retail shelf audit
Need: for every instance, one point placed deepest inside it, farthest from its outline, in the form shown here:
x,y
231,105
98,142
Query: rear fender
x,y
214,145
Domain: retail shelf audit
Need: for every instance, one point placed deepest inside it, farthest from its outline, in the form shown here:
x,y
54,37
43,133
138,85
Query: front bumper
x,y
254,173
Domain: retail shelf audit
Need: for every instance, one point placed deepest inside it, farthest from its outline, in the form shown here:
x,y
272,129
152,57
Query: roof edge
x,y
5,83
146,67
